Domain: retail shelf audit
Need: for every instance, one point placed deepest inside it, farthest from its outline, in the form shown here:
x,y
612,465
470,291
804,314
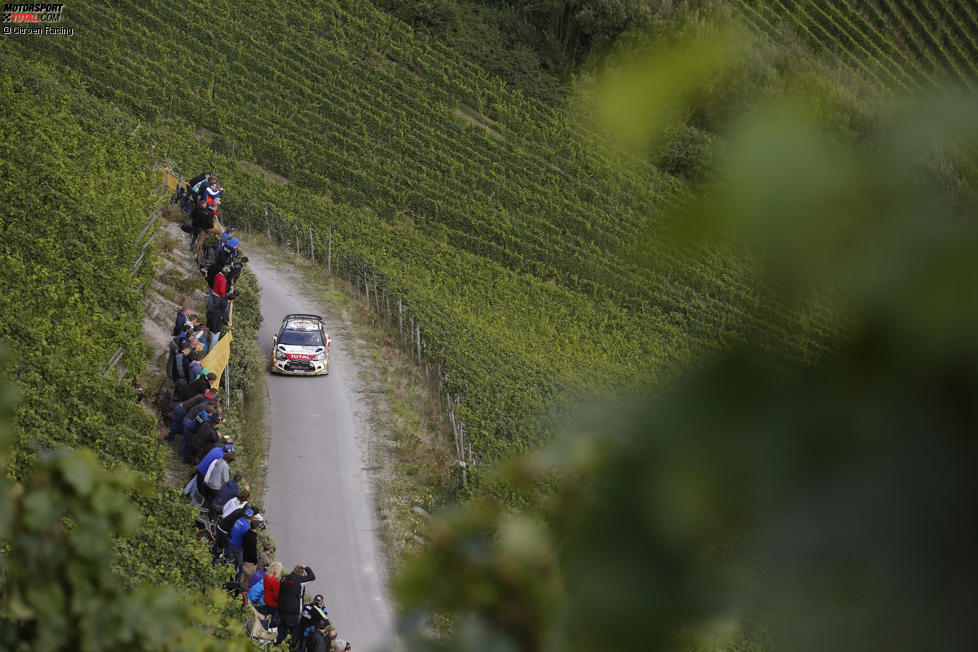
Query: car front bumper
x,y
300,367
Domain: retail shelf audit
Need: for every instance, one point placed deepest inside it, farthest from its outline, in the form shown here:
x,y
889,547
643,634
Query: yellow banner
x,y
171,180
217,358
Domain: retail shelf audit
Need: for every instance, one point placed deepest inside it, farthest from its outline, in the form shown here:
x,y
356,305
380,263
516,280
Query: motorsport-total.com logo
x,y
30,18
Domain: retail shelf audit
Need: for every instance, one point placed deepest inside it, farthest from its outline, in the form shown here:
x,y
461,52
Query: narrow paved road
x,y
319,502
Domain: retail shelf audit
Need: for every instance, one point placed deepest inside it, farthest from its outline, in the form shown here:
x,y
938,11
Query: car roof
x,y
302,324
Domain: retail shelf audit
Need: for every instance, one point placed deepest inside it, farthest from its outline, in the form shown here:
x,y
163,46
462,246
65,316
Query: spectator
x,y
205,463
339,645
265,556
219,315
235,502
227,251
190,421
180,411
249,550
317,640
224,237
290,602
257,577
219,286
202,383
195,367
223,530
198,183
227,492
182,315
234,271
181,366
175,345
235,547
217,474
256,595
314,615
198,329
272,585
202,219
214,190
207,436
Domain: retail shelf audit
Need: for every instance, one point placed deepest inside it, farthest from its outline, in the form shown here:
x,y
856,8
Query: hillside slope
x,y
505,230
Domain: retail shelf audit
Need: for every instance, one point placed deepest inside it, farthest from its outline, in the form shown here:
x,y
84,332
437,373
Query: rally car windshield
x,y
301,338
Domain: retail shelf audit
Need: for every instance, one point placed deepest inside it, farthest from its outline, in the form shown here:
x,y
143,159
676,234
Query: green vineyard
x,y
507,233
907,45
76,231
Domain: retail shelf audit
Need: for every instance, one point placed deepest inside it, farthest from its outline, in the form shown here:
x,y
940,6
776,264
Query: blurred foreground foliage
x,y
753,504
58,528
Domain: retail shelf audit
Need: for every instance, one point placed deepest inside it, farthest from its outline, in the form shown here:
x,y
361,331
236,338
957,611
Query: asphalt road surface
x,y
318,504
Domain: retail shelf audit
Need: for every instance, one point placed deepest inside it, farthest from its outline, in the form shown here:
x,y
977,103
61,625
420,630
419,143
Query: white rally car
x,y
301,346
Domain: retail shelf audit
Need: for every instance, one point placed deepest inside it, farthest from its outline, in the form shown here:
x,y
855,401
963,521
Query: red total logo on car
x,y
300,356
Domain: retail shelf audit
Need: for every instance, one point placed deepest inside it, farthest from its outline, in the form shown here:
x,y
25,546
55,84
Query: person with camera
x,y
290,603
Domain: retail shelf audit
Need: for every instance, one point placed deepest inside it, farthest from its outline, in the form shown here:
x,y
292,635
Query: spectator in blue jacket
x,y
205,463
235,546
256,595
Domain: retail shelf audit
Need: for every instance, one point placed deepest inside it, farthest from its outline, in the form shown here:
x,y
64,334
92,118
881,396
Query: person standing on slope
x,y
290,603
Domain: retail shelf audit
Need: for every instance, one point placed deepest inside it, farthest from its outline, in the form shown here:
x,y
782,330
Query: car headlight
x,y
320,356
279,355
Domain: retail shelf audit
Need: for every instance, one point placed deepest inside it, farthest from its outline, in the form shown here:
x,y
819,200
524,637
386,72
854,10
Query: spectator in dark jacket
x,y
227,492
202,221
177,344
182,315
290,602
207,436
227,252
234,271
249,551
314,615
201,384
181,369
317,639
180,411
198,183
191,423
219,315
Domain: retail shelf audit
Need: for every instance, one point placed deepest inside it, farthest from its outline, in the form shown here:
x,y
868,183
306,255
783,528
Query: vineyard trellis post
x,y
417,326
312,247
329,252
268,229
376,295
400,319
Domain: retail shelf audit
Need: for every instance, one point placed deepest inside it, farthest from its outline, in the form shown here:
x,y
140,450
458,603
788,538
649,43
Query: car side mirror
x,y
274,340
